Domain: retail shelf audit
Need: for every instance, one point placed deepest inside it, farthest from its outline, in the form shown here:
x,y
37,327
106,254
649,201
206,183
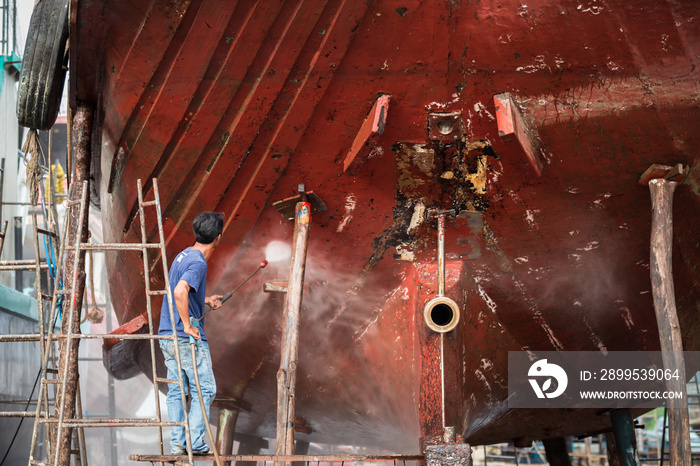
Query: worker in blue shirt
x,y
188,275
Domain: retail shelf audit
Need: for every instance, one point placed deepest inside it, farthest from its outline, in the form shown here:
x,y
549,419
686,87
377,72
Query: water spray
x,y
228,295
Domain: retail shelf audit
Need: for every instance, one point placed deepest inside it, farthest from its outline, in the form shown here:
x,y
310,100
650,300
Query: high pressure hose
x,y
193,349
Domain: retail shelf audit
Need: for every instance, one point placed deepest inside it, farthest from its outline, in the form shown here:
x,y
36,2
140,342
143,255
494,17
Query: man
x,y
188,276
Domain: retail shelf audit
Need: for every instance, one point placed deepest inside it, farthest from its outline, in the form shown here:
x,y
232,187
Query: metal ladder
x,y
59,420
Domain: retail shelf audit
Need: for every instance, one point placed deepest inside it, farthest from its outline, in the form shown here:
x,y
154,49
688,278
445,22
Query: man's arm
x,y
182,302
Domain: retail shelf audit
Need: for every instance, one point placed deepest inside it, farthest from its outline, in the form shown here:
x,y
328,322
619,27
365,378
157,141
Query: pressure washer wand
x,y
228,295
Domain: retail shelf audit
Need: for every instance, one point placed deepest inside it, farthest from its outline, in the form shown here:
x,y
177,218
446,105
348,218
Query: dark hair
x,y
207,226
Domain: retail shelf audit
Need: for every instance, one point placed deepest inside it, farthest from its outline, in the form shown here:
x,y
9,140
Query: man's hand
x,y
213,301
192,331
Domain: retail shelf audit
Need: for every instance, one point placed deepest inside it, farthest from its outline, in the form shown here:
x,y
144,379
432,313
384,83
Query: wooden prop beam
x,y
661,270
286,375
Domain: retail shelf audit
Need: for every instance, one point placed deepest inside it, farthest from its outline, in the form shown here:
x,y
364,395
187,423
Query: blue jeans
x,y
178,439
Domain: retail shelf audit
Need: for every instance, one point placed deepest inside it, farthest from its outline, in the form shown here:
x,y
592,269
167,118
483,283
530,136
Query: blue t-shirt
x,y
191,267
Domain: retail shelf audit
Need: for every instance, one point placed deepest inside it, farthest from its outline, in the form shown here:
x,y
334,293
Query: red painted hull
x,y
232,104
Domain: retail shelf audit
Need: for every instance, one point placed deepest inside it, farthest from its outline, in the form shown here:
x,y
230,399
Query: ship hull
x,y
231,105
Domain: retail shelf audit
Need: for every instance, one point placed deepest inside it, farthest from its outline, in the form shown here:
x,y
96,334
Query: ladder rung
x,y
157,293
51,370
64,291
40,463
8,267
118,246
19,414
162,380
71,203
30,337
134,422
22,337
149,203
55,381
120,336
46,232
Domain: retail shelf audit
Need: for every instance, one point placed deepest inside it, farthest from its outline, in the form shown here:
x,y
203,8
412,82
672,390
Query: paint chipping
x,y
530,218
482,377
417,218
350,204
547,329
612,66
378,151
589,247
405,252
480,108
539,64
625,313
593,8
594,337
643,264
487,299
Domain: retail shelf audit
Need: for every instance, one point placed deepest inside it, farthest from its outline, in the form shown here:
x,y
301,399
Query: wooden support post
x,y
82,132
286,375
557,451
625,440
225,431
667,318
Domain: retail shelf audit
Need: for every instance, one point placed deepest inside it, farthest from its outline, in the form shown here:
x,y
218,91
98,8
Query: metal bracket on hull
x,y
445,127
286,207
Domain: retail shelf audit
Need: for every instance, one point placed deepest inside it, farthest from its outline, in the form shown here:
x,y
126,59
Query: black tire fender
x,y
43,65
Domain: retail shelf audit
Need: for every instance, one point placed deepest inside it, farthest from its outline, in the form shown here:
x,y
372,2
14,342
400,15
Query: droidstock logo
x,y
546,372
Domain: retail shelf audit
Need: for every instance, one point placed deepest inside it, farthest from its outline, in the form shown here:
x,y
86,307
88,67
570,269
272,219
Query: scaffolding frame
x,y
59,423
44,347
